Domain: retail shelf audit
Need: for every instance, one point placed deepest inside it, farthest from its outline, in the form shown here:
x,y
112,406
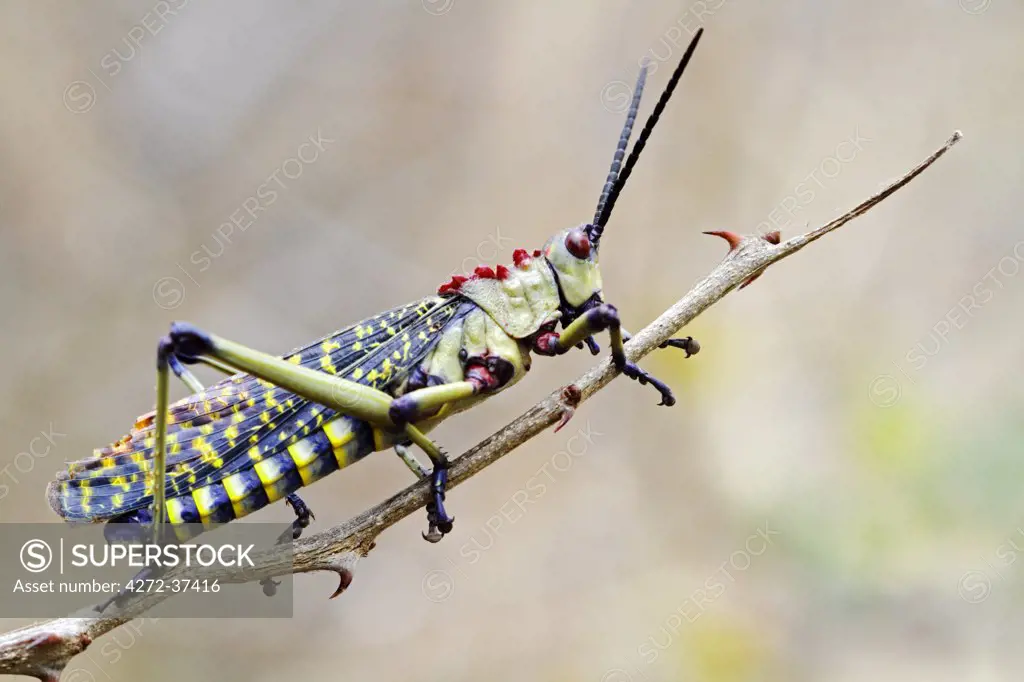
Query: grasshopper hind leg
x,y
131,527
117,600
483,373
183,373
303,517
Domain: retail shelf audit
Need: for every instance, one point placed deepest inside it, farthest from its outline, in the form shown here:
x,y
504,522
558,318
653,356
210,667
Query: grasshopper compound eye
x,y
578,244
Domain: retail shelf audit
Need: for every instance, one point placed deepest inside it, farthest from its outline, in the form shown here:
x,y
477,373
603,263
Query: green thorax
x,y
520,299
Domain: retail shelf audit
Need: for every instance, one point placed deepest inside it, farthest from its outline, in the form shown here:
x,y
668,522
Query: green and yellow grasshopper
x,y
280,423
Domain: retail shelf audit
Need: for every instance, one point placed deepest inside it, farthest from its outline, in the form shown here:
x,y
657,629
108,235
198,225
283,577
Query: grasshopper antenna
x,y
610,195
620,150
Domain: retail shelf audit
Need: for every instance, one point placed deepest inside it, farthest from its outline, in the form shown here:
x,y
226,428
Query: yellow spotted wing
x,y
241,420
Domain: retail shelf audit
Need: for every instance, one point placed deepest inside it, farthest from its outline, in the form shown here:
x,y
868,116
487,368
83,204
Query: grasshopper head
x,y
572,253
573,259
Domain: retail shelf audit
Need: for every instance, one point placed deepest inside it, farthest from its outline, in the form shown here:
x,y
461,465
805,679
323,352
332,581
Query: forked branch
x,y
44,650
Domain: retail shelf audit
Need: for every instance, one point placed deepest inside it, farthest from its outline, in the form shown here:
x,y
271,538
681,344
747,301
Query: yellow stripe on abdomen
x,y
342,440
340,433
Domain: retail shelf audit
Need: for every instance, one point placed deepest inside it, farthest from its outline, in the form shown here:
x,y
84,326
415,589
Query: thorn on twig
x,y
570,400
735,241
750,281
342,564
46,639
344,580
75,644
69,646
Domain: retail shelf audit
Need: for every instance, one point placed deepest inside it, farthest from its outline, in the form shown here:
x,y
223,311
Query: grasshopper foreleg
x,y
606,317
687,343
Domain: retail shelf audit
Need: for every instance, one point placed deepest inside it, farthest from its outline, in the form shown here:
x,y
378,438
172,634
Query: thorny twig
x,y
44,649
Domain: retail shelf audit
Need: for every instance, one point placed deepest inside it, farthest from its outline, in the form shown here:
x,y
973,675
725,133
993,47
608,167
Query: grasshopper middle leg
x,y
426,401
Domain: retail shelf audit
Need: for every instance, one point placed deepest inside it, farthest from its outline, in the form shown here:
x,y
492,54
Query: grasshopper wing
x,y
242,420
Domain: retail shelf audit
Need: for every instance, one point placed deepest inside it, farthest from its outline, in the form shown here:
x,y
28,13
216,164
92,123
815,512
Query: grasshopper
x,y
277,424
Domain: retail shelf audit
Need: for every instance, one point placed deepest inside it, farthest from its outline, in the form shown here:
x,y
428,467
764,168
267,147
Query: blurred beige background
x,y
836,495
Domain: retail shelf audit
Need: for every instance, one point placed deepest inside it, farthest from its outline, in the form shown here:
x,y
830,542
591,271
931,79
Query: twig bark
x,y
44,649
